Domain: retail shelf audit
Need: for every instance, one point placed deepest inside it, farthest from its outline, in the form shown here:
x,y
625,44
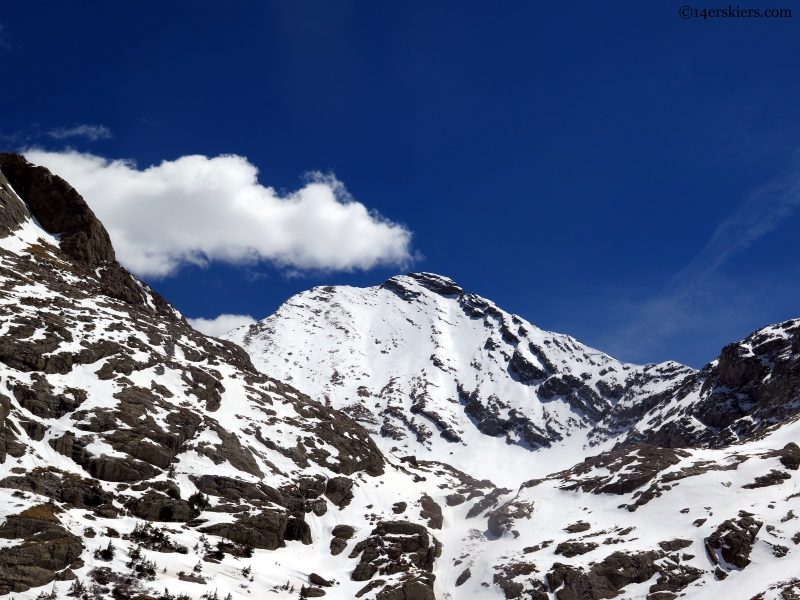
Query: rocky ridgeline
x,y
142,459
753,385
427,367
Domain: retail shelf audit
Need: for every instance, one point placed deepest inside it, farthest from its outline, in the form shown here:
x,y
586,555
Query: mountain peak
x,y
437,283
408,286
62,212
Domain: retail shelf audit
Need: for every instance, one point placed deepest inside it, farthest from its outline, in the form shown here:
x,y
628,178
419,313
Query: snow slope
x,y
429,369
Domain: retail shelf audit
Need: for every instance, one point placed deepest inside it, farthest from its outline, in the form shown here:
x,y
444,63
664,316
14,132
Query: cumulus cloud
x,y
221,325
197,209
92,132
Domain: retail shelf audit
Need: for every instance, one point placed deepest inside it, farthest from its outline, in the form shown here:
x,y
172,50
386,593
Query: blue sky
x,y
610,171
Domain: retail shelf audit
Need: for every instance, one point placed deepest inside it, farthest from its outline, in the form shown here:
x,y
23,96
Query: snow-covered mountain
x,y
140,459
432,370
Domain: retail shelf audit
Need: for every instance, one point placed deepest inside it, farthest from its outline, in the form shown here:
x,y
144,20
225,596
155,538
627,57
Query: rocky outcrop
x,y
570,549
339,490
525,369
438,284
341,533
732,542
40,400
46,548
412,589
265,530
237,490
60,210
507,580
431,511
774,477
789,456
13,211
153,506
60,487
502,519
628,468
753,384
107,468
398,547
606,578
356,451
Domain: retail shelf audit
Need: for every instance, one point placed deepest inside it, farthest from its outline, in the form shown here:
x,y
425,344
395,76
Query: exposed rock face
x,y
502,519
733,541
774,477
46,548
341,533
399,547
753,384
570,549
59,209
507,580
431,511
339,490
606,578
408,590
265,530
13,212
158,507
462,578
236,490
60,487
789,456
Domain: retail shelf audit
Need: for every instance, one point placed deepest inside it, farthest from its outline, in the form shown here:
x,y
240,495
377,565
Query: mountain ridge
x,y
503,370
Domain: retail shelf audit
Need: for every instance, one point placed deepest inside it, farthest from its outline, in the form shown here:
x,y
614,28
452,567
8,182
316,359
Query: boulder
x,y
339,491
265,530
734,540
153,506
431,511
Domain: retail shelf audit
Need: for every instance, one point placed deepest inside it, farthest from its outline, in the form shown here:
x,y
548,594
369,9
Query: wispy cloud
x,y
759,215
698,297
91,132
16,138
3,38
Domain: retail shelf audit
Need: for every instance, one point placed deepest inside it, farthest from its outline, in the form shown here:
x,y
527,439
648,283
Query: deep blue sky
x,y
570,161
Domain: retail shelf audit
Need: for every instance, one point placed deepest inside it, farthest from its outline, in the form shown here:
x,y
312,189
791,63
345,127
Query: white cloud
x,y
221,325
92,132
197,209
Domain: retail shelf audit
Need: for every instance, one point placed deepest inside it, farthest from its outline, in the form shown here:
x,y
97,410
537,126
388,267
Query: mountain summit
x,y
429,368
